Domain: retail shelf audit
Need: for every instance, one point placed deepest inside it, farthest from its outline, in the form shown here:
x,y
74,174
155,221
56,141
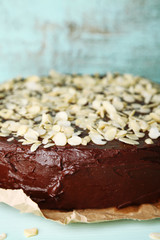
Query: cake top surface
x,y
76,110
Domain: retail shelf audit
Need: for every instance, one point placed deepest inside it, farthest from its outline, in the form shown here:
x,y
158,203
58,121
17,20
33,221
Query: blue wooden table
x,y
84,37
13,223
79,36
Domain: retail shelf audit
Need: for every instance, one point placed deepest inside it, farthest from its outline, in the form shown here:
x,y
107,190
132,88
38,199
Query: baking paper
x,y
19,200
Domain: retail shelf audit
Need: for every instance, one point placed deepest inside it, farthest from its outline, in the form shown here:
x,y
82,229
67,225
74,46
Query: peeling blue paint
x,y
79,36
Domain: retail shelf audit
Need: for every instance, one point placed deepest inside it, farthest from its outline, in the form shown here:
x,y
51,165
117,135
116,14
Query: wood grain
x,y
79,36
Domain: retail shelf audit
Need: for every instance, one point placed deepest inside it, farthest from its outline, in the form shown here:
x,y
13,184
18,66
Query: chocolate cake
x,y
77,142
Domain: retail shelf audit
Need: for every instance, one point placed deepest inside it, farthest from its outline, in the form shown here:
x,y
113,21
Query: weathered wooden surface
x,y
79,36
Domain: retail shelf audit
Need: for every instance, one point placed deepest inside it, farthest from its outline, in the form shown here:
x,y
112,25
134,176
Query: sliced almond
x,y
35,146
60,139
110,133
128,98
155,236
3,236
128,141
49,145
97,138
22,130
133,124
75,140
56,128
132,136
121,133
155,116
62,116
139,134
31,135
82,101
149,141
10,139
154,133
31,232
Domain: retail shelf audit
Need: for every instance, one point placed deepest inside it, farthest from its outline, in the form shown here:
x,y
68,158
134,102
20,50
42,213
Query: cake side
x,y
83,177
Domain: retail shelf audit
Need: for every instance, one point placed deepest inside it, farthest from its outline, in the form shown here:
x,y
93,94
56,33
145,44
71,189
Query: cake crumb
x,y
155,236
3,236
31,232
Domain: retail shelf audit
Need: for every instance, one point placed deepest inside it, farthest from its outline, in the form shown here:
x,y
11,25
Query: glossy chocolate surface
x,y
91,176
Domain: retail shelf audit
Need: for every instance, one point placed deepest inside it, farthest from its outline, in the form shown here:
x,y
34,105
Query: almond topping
x,y
75,140
56,109
128,141
110,133
60,139
154,133
149,141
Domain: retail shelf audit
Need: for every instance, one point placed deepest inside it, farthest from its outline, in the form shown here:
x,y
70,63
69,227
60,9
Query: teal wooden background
x,y
79,36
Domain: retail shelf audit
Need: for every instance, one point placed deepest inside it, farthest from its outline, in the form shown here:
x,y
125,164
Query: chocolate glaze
x,y
92,176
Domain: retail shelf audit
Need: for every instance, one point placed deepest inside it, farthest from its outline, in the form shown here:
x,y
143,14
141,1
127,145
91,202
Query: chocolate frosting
x,y
92,176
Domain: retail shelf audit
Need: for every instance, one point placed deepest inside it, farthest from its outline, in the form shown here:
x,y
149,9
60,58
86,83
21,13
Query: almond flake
x,y
121,133
143,125
155,236
68,131
56,128
154,133
4,134
22,130
139,134
128,98
75,140
62,116
118,104
134,125
82,101
144,110
49,145
64,123
132,136
45,140
31,135
96,104
149,141
97,138
84,142
6,113
28,142
30,232
10,139
128,141
60,139
34,109
41,131
35,146
3,236
155,117
109,108
87,138
46,118
110,133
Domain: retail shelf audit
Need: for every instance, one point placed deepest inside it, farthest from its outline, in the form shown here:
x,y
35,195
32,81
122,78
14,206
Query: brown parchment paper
x,y
19,200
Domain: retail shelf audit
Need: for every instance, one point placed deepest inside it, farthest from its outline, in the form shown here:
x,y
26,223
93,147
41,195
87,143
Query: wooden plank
x,y
79,36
